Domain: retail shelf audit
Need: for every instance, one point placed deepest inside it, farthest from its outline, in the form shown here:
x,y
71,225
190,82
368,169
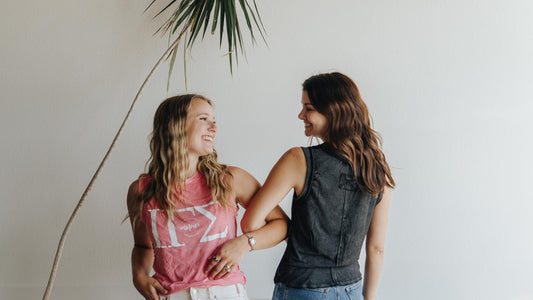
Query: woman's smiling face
x,y
315,122
200,127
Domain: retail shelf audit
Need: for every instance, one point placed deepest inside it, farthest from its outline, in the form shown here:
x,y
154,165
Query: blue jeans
x,y
352,291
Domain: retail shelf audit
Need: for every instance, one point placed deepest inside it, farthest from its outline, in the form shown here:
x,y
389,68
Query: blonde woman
x,y
183,211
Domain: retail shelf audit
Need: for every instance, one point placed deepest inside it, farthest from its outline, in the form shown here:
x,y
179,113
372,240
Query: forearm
x,y
271,234
141,262
373,267
231,252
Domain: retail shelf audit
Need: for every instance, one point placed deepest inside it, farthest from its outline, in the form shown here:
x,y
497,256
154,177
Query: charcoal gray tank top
x,y
329,222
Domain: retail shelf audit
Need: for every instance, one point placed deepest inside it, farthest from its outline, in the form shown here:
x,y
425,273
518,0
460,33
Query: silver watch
x,y
251,240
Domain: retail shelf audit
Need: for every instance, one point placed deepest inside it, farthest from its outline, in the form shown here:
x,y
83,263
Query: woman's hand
x,y
149,287
142,254
227,257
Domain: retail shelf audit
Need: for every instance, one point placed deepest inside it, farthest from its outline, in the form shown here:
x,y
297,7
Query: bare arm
x,y
375,246
142,255
231,253
276,221
288,173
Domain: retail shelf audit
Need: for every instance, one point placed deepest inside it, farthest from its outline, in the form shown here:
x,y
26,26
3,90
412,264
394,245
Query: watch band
x,y
251,240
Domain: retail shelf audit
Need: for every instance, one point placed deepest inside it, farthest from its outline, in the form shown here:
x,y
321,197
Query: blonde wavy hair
x,y
169,161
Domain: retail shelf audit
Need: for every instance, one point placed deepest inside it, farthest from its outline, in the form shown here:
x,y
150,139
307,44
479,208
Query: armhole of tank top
x,y
308,173
378,199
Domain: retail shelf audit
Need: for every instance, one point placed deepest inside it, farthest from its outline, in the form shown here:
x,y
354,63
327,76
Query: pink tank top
x,y
183,248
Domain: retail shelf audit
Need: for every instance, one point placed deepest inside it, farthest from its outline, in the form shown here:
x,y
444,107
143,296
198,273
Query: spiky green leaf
x,y
194,16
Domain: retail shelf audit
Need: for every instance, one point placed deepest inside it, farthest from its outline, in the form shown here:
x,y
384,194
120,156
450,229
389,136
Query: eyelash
x,y
205,119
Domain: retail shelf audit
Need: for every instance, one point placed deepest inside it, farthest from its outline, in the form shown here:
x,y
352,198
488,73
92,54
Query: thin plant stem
x,y
84,195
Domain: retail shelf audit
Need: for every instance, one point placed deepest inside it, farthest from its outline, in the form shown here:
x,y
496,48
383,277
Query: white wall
x,y
448,84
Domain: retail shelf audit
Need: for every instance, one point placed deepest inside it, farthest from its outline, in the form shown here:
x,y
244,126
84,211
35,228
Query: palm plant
x,y
188,19
196,14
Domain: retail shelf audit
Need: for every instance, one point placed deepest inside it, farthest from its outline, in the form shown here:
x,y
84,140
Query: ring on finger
x,y
228,268
216,259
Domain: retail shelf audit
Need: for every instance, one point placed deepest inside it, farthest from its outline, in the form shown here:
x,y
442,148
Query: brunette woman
x,y
341,196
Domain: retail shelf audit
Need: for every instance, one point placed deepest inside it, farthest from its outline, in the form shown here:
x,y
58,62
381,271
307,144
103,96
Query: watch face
x,y
251,240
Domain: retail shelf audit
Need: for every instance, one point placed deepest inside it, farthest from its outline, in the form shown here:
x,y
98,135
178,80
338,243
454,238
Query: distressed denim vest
x,y
329,222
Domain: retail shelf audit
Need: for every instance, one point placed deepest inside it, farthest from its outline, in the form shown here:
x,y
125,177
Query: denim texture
x,y
329,222
352,291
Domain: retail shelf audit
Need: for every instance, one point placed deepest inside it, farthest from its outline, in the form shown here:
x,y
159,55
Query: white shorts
x,y
220,292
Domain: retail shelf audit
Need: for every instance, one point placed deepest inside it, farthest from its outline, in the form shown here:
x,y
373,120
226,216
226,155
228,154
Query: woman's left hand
x,y
227,257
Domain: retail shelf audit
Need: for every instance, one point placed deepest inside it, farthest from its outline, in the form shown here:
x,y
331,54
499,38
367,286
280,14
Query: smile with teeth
x,y
207,138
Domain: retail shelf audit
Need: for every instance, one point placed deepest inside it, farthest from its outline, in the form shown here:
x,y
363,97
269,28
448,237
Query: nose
x,y
301,115
213,127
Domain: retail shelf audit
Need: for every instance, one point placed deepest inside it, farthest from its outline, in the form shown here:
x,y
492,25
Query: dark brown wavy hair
x,y
349,129
169,161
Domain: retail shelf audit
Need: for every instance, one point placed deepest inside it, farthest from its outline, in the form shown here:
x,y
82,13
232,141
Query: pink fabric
x,y
183,248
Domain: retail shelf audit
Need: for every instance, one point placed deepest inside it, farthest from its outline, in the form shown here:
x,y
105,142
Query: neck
x,y
193,165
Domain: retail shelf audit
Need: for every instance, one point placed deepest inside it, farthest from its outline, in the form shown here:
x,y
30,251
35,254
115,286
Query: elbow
x,y
377,251
246,225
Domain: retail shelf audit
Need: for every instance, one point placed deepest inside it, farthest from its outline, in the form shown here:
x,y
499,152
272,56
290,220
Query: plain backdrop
x,y
448,84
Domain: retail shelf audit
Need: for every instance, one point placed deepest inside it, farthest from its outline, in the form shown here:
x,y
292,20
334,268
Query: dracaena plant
x,y
188,19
